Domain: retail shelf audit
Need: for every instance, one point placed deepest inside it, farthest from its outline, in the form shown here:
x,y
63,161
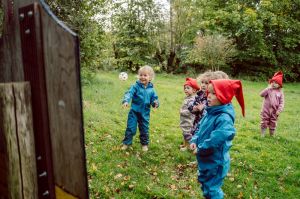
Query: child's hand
x,y
200,107
195,109
125,105
277,113
193,146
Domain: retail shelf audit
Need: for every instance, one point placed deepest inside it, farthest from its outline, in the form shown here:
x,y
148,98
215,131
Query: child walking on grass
x,y
190,88
272,105
213,139
142,96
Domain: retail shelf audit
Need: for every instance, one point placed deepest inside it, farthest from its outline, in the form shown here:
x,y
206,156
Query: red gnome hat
x,y
225,90
192,83
278,77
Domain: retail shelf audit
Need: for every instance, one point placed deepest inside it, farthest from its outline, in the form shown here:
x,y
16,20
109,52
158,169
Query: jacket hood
x,y
226,108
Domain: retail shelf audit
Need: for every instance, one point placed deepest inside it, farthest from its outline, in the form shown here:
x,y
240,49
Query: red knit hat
x,y
192,83
225,90
278,77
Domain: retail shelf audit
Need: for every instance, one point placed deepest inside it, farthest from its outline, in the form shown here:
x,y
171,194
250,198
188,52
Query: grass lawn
x,y
260,168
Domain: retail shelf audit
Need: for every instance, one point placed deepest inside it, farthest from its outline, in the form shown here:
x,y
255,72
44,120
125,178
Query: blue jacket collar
x,y
226,108
150,85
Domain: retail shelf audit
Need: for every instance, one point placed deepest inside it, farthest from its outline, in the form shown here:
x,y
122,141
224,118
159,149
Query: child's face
x,y
188,90
144,77
274,84
204,84
212,99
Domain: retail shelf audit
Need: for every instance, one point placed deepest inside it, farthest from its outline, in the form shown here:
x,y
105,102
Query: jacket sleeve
x,y
224,131
264,92
128,94
281,103
197,133
184,111
154,99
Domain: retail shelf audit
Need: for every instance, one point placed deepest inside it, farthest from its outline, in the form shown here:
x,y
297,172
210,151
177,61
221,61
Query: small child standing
x,y
214,138
272,105
142,95
200,102
190,88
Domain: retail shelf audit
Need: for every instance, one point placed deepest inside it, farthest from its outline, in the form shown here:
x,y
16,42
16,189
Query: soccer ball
x,y
123,76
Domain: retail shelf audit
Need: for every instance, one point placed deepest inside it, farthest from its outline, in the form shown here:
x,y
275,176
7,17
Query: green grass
x,y
260,168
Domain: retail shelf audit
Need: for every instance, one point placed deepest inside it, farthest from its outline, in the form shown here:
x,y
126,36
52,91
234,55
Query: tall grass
x,y
260,168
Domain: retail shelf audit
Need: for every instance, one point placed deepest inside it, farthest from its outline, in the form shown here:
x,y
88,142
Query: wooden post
x,y
17,154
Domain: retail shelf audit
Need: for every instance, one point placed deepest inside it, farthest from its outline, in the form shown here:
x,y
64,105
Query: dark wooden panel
x,y
34,72
61,55
11,67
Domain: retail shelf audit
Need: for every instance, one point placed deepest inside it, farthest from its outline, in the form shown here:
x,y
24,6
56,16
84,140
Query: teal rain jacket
x,y
142,98
214,137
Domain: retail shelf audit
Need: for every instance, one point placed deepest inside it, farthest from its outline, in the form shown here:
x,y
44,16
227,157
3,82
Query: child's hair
x,y
147,69
206,75
211,75
221,75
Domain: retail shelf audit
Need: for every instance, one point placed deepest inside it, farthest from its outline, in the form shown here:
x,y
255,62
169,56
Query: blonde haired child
x,y
142,96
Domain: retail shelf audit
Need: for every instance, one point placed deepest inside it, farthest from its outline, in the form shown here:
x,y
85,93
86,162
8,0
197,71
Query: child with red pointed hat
x,y
200,102
214,137
272,105
190,88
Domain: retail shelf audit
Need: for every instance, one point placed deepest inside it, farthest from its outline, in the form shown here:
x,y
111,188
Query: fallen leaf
x,y
240,196
119,175
173,187
131,186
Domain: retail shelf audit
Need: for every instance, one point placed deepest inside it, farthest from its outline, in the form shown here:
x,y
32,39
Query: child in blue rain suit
x,y
214,137
142,96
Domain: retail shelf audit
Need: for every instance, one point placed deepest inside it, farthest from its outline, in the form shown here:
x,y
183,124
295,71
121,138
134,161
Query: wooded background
x,y
248,37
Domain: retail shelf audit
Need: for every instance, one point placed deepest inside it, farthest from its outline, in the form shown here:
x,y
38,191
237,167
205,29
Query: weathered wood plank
x,y
18,170
26,139
11,67
61,55
8,130
34,72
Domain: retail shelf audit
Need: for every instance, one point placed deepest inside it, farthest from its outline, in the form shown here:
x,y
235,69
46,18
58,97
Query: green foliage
x,y
134,24
212,51
126,34
80,17
266,33
260,167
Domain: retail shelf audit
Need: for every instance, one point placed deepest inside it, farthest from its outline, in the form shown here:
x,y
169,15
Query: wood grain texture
x,y
26,139
9,131
61,55
11,68
34,72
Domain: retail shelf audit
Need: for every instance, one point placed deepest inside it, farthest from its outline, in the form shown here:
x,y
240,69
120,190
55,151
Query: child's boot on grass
x,y
263,132
272,132
145,148
184,146
124,147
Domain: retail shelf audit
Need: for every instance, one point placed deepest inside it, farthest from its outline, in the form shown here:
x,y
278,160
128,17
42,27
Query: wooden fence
x,y
39,49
